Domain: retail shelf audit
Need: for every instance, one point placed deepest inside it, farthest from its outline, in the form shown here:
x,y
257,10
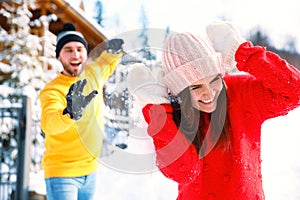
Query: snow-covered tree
x,y
143,37
25,60
99,12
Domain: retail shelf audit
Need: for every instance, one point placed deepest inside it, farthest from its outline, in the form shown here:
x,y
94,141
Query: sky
x,y
278,19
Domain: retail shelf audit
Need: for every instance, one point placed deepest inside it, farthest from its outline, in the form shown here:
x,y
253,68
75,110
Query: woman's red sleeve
x,y
276,88
176,157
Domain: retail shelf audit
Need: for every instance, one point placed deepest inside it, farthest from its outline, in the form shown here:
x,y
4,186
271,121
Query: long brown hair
x,y
190,122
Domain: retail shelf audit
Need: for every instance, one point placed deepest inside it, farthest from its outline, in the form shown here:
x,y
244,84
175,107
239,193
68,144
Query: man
x,y
72,116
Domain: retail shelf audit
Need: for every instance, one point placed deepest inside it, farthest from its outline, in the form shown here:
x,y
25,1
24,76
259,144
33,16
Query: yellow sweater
x,y
73,147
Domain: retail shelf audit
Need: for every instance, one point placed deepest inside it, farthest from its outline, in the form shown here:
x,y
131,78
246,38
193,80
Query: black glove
x,y
76,101
114,46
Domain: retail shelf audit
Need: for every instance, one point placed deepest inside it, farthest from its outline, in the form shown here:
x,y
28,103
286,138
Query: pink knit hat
x,y
186,59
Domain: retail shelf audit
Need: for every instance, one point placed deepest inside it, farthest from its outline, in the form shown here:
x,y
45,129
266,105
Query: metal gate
x,y
15,142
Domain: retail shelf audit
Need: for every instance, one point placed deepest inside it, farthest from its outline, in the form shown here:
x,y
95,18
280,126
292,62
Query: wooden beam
x,y
92,31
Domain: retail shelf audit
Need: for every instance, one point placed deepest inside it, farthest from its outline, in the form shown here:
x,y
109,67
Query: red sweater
x,y
271,88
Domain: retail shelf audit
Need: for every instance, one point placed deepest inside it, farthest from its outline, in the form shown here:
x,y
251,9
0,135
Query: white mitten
x,y
145,86
226,39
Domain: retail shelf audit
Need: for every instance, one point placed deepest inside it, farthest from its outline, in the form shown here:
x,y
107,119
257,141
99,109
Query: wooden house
x,y
65,12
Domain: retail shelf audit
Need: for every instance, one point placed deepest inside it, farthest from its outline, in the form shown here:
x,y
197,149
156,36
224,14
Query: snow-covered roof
x,y
67,12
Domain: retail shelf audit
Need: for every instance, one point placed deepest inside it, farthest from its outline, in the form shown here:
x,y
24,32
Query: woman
x,y
209,141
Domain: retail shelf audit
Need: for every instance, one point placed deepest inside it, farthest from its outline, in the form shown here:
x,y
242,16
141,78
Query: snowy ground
x,y
280,167
121,186
280,157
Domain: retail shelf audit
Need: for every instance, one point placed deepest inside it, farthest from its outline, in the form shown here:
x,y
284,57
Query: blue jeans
x,y
77,188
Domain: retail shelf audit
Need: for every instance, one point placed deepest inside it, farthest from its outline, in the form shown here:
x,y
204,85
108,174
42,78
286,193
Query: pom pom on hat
x,y
186,59
68,27
68,34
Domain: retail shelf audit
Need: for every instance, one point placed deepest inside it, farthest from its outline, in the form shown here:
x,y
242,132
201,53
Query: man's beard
x,y
72,72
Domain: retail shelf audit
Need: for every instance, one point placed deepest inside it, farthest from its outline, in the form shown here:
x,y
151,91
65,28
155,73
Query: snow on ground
x,y
131,174
280,167
122,186
280,157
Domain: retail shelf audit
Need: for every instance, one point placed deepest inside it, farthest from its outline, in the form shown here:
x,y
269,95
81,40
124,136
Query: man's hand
x,y
76,101
114,46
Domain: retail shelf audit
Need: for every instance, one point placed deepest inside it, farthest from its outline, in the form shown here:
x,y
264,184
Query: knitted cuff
x,y
229,55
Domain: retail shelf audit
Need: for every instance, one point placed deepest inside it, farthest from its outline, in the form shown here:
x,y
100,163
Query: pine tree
x,y
99,12
143,37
